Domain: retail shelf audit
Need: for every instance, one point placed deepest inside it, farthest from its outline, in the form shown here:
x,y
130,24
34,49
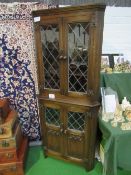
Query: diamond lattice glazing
x,y
52,116
50,48
76,121
78,37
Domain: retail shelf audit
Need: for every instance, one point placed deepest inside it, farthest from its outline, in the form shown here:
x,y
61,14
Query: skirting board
x,y
35,143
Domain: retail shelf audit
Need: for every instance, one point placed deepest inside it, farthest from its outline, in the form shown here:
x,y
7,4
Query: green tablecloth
x,y
117,148
120,82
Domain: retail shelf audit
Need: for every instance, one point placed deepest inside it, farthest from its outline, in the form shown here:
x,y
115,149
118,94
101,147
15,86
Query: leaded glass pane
x,y
78,38
76,120
50,48
52,116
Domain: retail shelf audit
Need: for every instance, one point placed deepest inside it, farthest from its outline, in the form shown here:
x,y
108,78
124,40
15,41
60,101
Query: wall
x,y
117,31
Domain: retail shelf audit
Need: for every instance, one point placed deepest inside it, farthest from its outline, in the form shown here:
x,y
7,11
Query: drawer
x,y
16,167
13,142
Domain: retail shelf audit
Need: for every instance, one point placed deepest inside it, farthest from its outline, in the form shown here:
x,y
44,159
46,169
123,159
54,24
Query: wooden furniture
x,y
16,167
13,145
68,44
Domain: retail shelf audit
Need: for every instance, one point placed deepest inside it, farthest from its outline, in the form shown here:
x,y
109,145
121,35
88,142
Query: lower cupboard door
x,y
75,147
54,140
52,115
75,133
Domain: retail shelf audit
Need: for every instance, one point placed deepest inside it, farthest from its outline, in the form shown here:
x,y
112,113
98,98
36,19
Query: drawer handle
x,y
13,168
9,155
5,144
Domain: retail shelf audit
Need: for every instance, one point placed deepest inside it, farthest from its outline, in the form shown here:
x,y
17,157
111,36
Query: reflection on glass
x,y
50,48
76,121
78,38
52,116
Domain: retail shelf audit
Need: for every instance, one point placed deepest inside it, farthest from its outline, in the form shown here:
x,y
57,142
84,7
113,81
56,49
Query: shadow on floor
x,y
33,157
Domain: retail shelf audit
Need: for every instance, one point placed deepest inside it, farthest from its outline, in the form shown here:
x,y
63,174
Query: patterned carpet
x,y
18,80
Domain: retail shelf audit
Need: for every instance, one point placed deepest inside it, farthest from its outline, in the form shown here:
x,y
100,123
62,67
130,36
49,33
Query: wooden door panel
x,y
77,39
75,121
75,131
49,52
75,146
52,129
54,140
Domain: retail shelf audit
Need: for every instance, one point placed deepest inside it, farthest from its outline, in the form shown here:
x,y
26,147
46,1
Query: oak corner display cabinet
x,y
68,45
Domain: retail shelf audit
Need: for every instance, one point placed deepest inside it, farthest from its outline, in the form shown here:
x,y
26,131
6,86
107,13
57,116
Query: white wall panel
x,y
117,31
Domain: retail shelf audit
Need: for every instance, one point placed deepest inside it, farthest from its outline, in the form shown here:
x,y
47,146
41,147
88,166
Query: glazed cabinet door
x,y
76,126
82,55
52,128
69,54
49,53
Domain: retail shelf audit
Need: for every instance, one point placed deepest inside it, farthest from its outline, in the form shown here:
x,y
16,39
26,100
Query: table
x,y
117,148
120,82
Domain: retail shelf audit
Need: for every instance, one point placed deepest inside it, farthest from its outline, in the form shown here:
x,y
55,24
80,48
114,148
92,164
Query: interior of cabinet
x,y
52,116
78,38
50,48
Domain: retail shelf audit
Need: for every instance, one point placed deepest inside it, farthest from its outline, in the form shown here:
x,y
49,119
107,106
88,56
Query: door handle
x,y
65,57
65,131
61,54
61,128
61,57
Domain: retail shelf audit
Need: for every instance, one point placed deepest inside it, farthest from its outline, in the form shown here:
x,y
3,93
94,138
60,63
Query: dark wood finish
x,y
83,8
70,118
92,14
4,109
80,146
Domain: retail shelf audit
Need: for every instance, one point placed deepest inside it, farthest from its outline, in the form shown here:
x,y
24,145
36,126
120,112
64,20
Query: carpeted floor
x,y
36,164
